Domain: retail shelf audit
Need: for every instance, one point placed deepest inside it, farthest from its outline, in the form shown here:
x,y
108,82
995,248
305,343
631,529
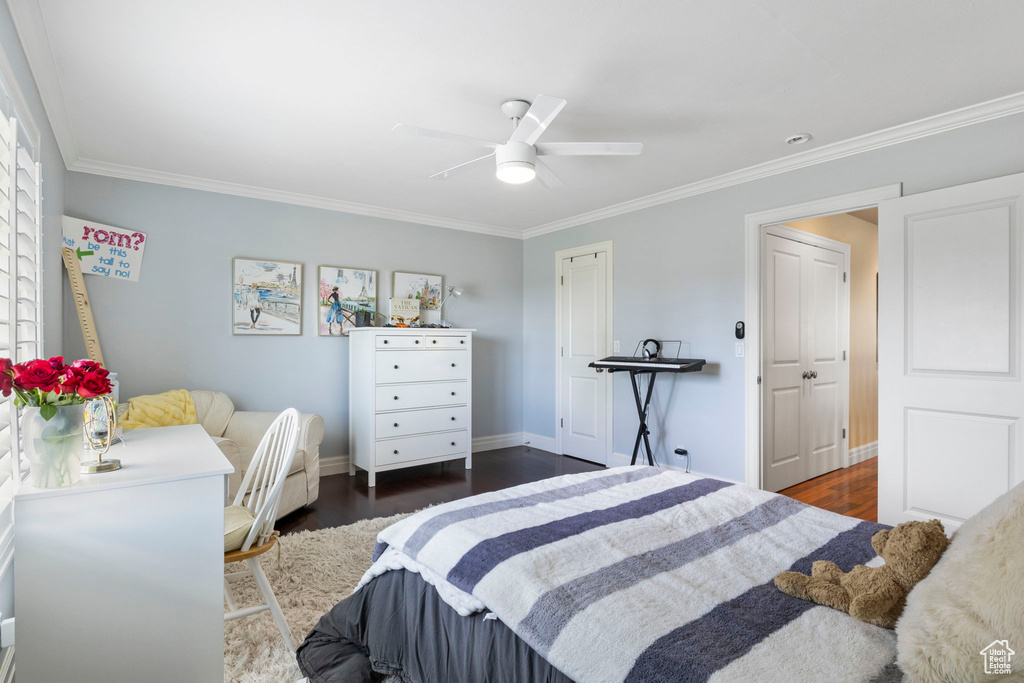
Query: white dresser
x,y
121,577
410,397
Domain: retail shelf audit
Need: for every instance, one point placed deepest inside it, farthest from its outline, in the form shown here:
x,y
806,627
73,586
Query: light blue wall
x,y
172,328
679,274
53,185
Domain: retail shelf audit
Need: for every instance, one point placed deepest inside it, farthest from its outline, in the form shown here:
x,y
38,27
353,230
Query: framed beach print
x,y
347,298
266,297
426,288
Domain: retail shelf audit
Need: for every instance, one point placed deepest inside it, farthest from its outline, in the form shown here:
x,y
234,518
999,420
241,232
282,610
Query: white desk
x,y
120,578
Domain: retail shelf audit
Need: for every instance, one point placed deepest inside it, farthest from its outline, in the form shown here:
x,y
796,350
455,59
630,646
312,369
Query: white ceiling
x,y
296,100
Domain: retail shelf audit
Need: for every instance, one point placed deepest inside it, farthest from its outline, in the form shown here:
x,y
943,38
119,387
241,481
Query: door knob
x,y
806,375
814,374
600,369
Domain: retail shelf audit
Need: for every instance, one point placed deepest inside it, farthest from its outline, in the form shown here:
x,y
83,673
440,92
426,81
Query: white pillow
x,y
973,597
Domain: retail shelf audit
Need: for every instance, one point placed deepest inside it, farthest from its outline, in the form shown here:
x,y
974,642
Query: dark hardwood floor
x,y
344,499
852,491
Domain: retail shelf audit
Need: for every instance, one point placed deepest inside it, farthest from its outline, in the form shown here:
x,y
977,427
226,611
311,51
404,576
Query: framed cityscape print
x,y
266,297
347,298
426,288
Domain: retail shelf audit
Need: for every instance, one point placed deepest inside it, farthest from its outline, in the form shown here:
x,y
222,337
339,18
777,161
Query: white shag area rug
x,y
318,569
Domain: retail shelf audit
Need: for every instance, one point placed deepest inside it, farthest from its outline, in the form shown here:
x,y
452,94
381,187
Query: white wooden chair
x,y
263,483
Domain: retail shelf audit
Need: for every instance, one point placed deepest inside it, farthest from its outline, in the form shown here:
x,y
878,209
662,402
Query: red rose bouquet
x,y
51,383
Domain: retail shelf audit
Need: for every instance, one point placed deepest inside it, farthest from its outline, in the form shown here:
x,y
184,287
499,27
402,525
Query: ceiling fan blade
x,y
540,115
461,167
546,176
588,148
441,135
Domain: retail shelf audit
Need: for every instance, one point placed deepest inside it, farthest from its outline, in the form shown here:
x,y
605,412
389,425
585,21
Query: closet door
x,y
804,370
827,386
784,395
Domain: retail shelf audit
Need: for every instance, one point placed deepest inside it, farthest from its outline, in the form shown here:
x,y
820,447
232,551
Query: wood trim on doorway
x,y
609,292
752,297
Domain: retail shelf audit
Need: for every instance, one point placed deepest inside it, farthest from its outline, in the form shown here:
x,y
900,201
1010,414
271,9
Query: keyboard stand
x,y
636,367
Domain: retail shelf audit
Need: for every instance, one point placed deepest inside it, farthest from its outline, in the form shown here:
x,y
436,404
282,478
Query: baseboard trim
x,y
338,464
493,443
334,465
622,459
543,443
862,453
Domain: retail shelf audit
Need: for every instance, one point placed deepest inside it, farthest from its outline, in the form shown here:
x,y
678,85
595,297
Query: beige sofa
x,y
238,433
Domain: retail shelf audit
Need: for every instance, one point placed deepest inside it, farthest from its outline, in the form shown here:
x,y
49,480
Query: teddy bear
x,y
875,595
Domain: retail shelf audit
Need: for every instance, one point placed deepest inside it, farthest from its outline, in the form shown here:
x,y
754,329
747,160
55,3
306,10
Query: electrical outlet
x,y
615,346
739,349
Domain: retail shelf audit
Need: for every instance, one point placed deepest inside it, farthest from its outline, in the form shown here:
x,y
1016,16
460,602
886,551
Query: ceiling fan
x,y
517,159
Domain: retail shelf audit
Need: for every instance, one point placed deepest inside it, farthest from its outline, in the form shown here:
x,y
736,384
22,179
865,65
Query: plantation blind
x,y
21,334
20,301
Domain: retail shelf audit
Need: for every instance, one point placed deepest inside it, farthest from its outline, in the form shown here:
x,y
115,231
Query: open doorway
x,y
828,401
842,432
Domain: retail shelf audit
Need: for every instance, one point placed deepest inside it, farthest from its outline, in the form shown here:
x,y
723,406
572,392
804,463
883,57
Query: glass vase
x,y
54,447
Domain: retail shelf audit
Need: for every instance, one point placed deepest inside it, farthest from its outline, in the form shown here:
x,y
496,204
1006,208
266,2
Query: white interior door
x,y
950,391
584,339
804,369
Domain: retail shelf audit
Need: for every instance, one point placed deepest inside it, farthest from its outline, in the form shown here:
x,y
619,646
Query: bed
x,y
626,574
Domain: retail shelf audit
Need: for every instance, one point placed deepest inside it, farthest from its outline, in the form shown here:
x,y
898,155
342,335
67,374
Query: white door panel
x,y
950,391
806,314
584,392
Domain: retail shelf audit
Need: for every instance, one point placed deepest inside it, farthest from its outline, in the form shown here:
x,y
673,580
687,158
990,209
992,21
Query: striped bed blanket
x,y
647,574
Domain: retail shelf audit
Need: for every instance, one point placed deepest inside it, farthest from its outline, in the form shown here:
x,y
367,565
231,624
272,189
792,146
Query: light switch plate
x,y
615,346
739,349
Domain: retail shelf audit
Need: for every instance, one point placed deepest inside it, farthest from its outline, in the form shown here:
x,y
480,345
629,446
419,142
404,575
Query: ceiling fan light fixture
x,y
517,162
516,172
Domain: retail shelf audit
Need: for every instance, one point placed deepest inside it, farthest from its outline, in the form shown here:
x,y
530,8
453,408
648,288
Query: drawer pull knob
x,y
462,341
396,398
453,365
453,393
453,443
417,341
434,341
396,367
396,451
396,424
385,341
453,419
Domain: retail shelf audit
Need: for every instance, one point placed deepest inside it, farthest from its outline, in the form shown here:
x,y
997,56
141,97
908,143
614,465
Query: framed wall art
x,y
266,297
347,298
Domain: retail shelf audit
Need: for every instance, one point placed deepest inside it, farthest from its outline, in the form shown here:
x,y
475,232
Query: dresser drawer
x,y
421,366
411,448
421,421
400,341
403,397
439,342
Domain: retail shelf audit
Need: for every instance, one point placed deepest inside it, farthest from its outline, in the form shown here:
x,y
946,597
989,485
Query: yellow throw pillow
x,y
237,522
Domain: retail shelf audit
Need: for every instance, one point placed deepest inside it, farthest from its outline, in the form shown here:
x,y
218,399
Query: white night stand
x,y
121,577
410,398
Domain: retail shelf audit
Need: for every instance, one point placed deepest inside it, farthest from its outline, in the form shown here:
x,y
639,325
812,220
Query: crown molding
x,y
35,41
940,123
194,183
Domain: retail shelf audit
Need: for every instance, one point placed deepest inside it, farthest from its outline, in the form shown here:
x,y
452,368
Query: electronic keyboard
x,y
649,364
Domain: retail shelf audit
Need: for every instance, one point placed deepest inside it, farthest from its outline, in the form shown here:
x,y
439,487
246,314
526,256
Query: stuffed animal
x,y
873,594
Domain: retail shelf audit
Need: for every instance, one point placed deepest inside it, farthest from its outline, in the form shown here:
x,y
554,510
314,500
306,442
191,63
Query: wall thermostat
x,y
741,330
